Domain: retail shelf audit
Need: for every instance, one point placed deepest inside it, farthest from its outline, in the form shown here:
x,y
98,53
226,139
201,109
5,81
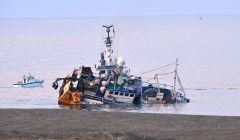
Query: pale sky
x,y
80,8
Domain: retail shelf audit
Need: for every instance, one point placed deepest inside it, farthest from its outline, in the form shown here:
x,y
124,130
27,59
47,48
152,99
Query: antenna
x,y
108,40
175,76
108,53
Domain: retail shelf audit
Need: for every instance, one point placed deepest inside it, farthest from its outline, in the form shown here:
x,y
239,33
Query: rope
x,y
155,69
154,79
167,73
166,85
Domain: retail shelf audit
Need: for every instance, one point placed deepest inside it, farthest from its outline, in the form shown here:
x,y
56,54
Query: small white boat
x,y
28,82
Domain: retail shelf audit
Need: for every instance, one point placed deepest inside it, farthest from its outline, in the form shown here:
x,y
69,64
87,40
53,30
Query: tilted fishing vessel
x,y
28,82
112,83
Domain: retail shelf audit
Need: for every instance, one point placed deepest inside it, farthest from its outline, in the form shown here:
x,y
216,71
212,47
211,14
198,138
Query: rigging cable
x,y
155,69
180,83
167,73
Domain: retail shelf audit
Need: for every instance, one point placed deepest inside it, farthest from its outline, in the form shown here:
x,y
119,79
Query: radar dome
x,y
120,61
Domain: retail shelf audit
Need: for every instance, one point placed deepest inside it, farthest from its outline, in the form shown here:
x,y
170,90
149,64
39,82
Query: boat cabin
x,y
120,96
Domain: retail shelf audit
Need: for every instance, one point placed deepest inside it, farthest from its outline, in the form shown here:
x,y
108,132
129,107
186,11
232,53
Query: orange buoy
x,y
109,96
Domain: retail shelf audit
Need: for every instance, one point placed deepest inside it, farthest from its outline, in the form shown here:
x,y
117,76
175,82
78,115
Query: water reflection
x,y
208,102
140,108
105,107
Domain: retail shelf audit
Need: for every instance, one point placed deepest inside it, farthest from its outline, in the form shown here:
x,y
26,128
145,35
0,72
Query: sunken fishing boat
x,y
111,83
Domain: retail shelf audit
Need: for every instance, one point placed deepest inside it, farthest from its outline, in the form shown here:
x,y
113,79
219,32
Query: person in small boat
x,y
24,80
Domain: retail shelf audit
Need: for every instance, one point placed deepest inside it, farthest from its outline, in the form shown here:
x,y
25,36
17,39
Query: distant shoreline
x,y
79,124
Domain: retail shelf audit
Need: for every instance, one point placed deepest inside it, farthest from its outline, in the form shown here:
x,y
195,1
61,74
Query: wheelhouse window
x,y
131,95
116,93
121,94
102,71
126,94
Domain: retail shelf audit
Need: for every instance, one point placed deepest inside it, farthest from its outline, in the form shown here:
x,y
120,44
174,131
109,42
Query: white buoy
x,y
91,84
102,89
97,81
104,83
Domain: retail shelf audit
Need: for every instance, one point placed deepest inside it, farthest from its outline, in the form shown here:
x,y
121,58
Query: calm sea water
x,y
208,50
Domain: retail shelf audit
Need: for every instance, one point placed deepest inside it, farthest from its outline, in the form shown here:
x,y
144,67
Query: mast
x,y
108,53
175,76
156,77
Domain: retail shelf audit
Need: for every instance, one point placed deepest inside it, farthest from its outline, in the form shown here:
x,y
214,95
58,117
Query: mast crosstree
x,y
108,53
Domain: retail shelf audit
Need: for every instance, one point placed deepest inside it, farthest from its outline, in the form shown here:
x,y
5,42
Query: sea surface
x,y
207,47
